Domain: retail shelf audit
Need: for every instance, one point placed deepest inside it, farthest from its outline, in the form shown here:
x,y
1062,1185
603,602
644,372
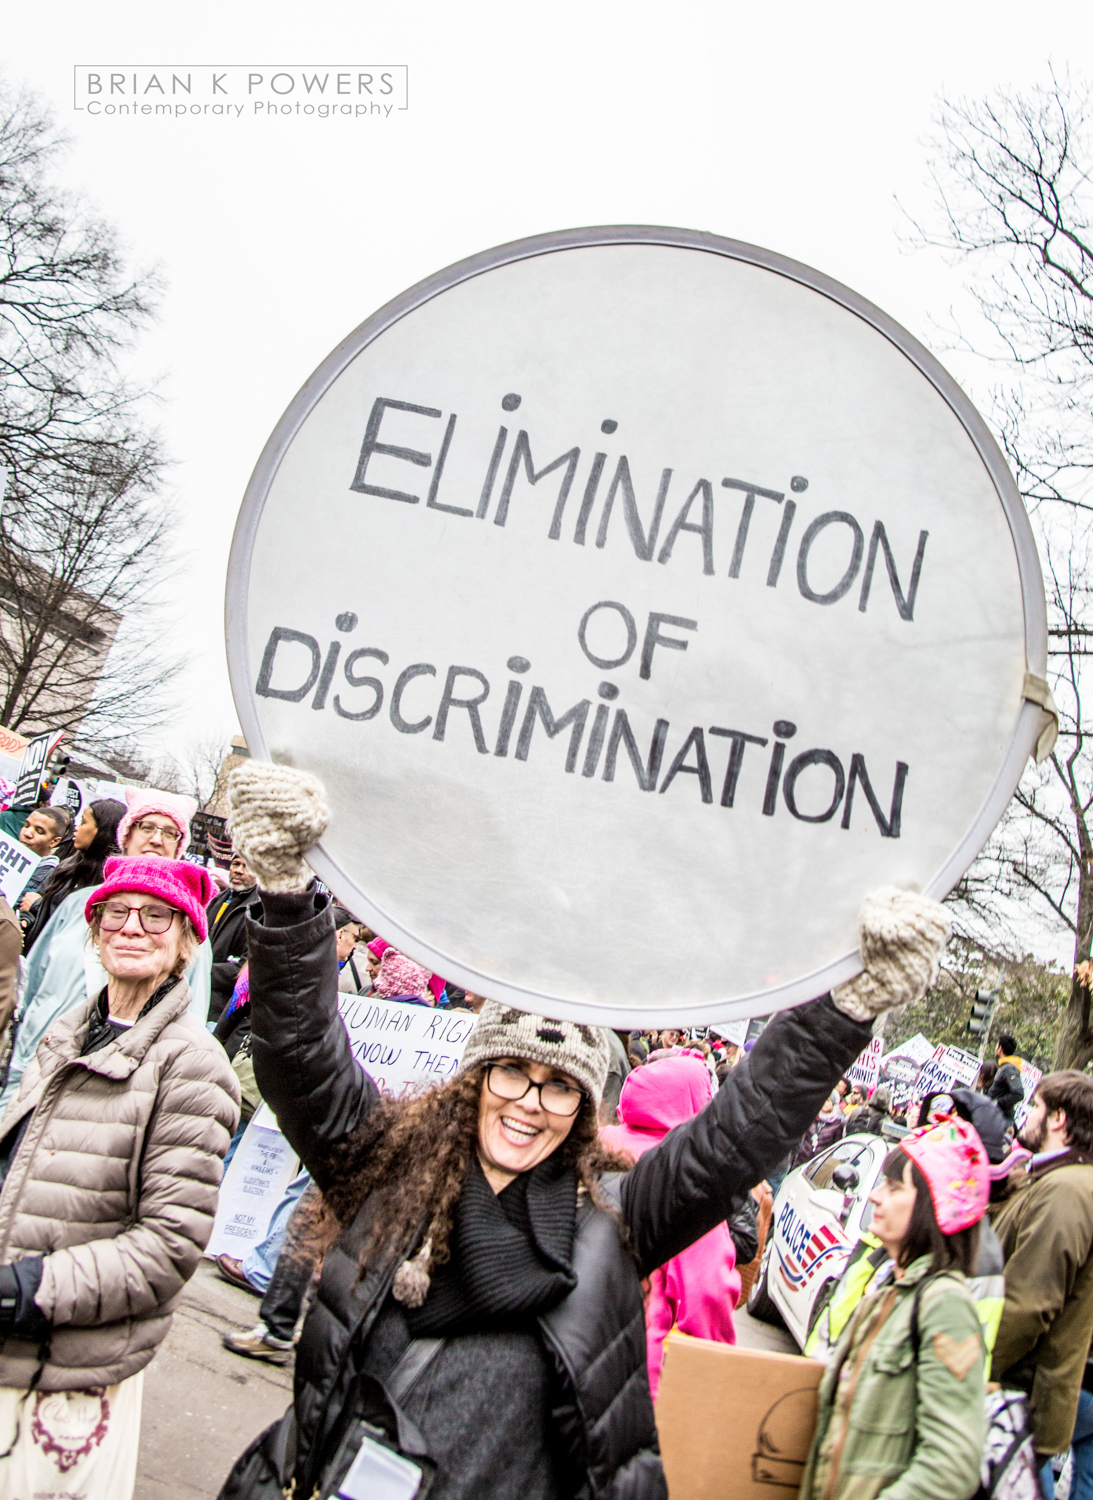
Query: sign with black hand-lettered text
x,y
400,1046
17,865
643,600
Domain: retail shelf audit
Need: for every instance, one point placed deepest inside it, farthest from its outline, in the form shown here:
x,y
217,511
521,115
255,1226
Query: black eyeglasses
x,y
556,1097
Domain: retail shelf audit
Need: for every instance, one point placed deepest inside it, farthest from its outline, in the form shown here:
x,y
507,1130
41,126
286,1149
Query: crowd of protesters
x,y
478,1279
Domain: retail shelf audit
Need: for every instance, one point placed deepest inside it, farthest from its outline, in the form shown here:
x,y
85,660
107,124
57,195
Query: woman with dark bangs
x,y
901,1407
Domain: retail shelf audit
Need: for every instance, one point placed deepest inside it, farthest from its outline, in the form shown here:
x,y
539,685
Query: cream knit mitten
x,y
276,815
902,938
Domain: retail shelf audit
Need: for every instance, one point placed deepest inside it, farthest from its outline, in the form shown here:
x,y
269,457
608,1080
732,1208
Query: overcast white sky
x,y
791,126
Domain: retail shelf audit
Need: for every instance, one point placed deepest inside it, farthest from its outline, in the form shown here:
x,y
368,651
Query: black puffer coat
x,y
595,1338
227,917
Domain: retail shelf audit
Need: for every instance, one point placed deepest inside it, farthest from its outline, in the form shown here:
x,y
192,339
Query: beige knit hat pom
x,y
275,815
903,936
413,1278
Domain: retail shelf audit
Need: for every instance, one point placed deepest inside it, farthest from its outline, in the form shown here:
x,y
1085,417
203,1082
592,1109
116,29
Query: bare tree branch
x,y
85,537
1012,180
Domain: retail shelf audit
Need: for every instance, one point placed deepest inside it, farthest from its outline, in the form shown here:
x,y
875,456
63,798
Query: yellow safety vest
x,y
869,1267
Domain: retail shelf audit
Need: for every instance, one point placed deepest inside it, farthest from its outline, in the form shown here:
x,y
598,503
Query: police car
x,y
820,1212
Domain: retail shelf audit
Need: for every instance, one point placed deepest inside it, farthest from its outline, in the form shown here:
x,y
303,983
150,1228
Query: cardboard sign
x,y
936,1076
17,865
918,1048
202,825
402,1045
32,767
865,1069
700,605
1030,1077
263,1166
12,744
734,1422
70,794
948,1068
901,1067
735,1032
965,1065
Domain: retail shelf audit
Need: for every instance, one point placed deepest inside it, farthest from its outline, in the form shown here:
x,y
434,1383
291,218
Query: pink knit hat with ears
x,y
951,1157
174,882
167,804
399,975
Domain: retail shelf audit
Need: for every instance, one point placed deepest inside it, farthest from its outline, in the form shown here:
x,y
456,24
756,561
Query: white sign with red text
x,y
865,1069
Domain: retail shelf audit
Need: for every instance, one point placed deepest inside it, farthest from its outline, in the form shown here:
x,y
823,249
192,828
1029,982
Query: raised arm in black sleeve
x,y
682,1188
303,1064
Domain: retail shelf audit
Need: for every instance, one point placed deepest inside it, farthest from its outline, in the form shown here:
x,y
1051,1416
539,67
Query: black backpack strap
x,y
916,1337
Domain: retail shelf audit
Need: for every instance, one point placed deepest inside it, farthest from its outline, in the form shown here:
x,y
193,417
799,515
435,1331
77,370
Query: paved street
x,y
751,1334
203,1405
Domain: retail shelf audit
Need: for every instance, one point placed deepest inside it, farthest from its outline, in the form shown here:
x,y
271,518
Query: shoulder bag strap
x,y
410,1368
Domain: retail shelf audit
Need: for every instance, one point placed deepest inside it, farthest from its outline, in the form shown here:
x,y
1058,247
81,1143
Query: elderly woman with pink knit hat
x,y
901,1407
62,971
110,1156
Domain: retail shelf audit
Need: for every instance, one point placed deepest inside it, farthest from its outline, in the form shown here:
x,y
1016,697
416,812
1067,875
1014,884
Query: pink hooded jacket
x,y
697,1290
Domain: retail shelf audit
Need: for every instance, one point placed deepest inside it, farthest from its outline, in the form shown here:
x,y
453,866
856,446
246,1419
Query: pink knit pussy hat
x,y
143,803
172,881
399,975
951,1157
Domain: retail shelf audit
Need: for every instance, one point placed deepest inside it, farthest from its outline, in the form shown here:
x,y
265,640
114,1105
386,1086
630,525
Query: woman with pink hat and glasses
x,y
62,972
901,1407
110,1158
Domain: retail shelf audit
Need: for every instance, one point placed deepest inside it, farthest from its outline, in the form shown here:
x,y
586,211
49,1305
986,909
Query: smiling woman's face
x,y
515,1135
128,952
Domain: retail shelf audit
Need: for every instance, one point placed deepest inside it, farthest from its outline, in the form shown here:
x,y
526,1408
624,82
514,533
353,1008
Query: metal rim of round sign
x,y
1026,728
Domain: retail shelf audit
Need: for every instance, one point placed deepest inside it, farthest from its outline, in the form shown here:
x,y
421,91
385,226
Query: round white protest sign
x,y
644,600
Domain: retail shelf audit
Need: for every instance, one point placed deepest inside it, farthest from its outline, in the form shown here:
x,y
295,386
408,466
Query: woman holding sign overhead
x,y
479,1321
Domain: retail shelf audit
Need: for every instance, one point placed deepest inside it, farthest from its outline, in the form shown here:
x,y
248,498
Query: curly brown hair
x,y
412,1155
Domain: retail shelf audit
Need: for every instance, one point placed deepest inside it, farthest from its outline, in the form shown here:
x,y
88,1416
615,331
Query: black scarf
x,y
101,1031
511,1254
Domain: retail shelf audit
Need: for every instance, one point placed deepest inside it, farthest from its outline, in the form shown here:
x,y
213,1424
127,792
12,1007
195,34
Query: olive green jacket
x,y
916,1426
1046,1230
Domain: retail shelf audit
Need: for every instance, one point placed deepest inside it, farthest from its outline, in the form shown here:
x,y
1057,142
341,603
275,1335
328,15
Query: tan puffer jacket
x,y
115,1183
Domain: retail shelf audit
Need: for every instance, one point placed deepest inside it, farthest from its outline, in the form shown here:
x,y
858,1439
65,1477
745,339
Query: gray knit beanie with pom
x,y
580,1051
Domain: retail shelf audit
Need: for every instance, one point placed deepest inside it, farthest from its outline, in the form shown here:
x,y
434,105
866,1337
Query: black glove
x,y
20,1315
744,1228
